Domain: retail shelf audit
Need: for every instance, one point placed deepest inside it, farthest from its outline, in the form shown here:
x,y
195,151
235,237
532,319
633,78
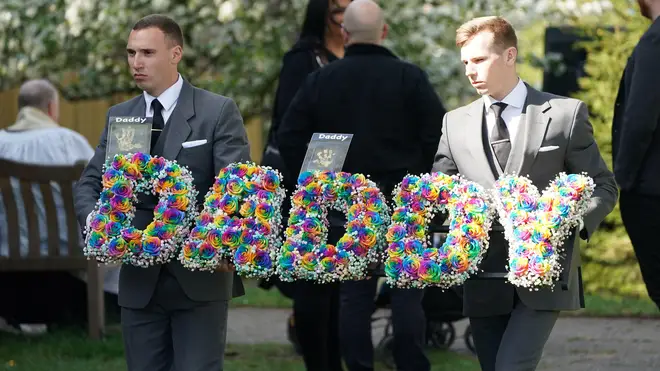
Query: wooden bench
x,y
73,260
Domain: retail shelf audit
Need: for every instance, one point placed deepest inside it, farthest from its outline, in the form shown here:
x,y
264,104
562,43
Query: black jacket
x,y
388,105
635,130
304,58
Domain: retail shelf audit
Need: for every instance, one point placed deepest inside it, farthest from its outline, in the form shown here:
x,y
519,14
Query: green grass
x,y
611,306
259,298
69,350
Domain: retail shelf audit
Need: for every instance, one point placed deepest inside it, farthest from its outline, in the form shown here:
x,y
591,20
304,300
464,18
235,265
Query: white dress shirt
x,y
168,99
511,114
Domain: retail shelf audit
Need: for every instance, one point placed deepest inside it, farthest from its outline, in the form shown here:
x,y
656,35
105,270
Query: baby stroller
x,y
441,308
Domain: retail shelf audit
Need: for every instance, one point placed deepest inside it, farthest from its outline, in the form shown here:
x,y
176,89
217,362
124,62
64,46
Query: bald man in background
x,y
395,117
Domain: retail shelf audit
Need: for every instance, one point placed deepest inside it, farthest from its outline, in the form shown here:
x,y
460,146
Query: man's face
x,y
486,67
152,59
644,8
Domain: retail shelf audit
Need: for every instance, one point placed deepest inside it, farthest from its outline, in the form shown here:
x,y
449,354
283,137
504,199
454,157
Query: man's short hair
x,y
164,23
37,94
503,32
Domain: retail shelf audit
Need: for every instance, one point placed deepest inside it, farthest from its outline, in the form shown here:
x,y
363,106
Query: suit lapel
x,y
139,108
474,139
177,128
534,128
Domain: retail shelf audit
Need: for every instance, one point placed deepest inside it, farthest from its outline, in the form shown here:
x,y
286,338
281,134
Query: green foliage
x,y
229,45
609,261
233,47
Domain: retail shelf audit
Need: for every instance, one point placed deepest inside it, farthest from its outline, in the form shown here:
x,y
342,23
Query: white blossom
x,y
227,11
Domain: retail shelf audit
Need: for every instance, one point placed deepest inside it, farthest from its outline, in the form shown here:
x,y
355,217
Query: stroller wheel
x,y
291,334
385,351
469,341
440,335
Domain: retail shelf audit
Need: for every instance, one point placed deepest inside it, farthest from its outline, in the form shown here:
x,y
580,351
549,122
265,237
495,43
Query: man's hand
x,y
225,266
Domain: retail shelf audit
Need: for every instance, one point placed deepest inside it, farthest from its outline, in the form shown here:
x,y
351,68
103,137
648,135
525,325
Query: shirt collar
x,y
516,98
168,97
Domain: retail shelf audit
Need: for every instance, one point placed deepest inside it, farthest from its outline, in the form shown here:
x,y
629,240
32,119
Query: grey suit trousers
x,y
514,341
174,333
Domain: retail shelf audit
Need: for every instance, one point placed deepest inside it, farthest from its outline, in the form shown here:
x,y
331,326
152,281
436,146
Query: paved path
x,y
576,344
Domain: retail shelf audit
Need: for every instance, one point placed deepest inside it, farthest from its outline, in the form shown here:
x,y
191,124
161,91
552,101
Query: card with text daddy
x,y
326,151
128,134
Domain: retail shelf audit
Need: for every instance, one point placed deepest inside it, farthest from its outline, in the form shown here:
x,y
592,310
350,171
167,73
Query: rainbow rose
x,y
178,202
118,216
190,250
113,229
151,246
117,247
121,204
206,251
264,211
99,222
235,187
110,177
231,237
140,160
173,216
229,204
155,166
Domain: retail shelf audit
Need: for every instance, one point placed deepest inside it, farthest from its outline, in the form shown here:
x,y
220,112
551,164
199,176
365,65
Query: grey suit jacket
x,y
198,115
547,121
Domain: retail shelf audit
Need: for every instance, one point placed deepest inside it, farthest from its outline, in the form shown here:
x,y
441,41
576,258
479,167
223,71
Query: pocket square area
x,y
548,148
193,143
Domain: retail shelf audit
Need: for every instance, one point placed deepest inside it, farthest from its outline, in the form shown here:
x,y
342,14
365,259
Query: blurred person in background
x,y
395,116
636,148
36,138
315,307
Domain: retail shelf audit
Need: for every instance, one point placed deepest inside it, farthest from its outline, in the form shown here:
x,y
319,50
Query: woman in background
x,y
315,306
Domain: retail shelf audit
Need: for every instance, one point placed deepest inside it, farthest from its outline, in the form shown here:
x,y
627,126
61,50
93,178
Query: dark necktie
x,y
499,139
158,122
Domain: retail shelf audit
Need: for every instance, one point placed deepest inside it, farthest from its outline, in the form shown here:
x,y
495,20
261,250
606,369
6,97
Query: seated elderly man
x,y
36,138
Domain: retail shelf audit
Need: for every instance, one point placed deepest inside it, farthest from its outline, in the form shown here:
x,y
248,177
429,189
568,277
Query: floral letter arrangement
x,y
110,238
536,226
305,253
411,261
240,222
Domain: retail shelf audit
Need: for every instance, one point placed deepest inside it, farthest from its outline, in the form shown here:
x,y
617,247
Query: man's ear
x,y
511,55
53,110
386,29
177,54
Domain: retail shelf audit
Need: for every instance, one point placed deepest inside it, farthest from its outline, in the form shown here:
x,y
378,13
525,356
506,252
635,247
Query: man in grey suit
x,y
515,129
172,318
